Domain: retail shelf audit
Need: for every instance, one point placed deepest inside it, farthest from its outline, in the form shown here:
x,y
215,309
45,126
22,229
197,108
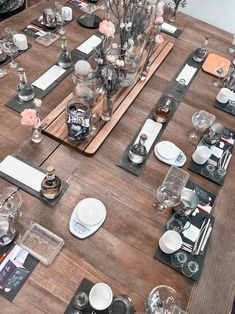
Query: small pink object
x,y
159,20
159,39
107,28
29,117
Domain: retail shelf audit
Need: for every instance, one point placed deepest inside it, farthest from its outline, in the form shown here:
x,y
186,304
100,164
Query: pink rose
x,y
29,117
158,20
37,102
159,39
107,28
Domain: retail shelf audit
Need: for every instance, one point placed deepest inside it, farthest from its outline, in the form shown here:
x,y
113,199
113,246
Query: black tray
x,y
27,189
222,107
19,52
197,221
48,29
198,168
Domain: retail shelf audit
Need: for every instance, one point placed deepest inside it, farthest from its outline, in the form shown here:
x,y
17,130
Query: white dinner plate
x,y
90,211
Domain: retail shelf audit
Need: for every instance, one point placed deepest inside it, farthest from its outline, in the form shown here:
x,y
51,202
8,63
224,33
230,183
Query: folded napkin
x,y
49,77
187,73
151,129
169,28
22,172
88,45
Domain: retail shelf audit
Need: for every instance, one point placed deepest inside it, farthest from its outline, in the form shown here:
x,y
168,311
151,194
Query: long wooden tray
x,y
54,124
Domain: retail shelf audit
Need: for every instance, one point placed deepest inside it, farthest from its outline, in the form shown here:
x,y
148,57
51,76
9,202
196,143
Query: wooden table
x,y
121,253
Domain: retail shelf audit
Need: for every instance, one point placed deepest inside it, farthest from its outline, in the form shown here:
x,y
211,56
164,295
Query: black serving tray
x,y
197,221
222,107
19,52
198,168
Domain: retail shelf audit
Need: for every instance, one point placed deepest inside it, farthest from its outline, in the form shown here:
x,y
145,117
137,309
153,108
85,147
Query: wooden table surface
x,y
121,252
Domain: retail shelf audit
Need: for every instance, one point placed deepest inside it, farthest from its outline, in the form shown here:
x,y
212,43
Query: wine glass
x,y
220,71
162,300
58,11
11,49
201,120
232,49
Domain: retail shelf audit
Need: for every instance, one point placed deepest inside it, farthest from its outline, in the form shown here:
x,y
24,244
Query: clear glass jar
x,y
65,57
25,91
51,184
138,152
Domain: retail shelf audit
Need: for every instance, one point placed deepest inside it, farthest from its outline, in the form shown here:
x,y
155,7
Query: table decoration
x,y
174,6
215,168
27,176
195,243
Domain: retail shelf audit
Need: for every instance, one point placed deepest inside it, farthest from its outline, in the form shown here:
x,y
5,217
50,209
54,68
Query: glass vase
x,y
174,12
36,134
107,107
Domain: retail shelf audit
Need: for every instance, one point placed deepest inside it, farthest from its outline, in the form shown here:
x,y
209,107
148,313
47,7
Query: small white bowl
x,y
100,296
170,242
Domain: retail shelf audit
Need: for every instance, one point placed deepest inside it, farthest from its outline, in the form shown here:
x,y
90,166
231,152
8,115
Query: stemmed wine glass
x,y
59,17
220,71
161,300
201,120
232,49
11,49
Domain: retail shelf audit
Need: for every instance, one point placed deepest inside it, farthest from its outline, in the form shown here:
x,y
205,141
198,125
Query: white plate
x,y
90,211
167,150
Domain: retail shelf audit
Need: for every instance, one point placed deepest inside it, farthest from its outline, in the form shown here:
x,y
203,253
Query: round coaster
x,y
90,211
89,20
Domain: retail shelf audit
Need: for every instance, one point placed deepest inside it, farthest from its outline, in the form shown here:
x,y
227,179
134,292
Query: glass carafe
x,y
51,184
138,152
65,57
25,91
200,53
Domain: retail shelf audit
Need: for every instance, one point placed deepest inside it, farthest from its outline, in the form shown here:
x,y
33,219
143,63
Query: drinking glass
x,y
208,171
232,49
11,49
220,71
179,258
58,11
10,204
168,194
190,268
201,120
219,174
161,300
178,222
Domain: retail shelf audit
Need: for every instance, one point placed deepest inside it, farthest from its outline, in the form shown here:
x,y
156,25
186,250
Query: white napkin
x,y
187,73
49,77
168,28
22,172
191,233
216,151
89,44
151,129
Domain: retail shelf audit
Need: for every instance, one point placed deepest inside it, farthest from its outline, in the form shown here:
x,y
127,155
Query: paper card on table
x,y
169,28
191,233
22,172
151,129
187,73
49,77
216,151
88,45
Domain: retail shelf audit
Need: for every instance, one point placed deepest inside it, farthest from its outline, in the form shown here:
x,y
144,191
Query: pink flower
x,y
160,8
158,20
107,28
29,117
37,102
159,39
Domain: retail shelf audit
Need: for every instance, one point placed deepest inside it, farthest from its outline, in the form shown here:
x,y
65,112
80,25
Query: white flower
x,y
100,61
111,58
120,63
122,25
131,42
128,25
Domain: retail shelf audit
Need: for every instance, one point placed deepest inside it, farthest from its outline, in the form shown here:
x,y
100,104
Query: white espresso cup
x,y
224,95
100,296
20,41
67,13
201,155
170,242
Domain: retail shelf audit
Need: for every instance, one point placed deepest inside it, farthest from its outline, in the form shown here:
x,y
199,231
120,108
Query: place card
x,y
22,172
168,28
187,74
49,77
88,45
151,129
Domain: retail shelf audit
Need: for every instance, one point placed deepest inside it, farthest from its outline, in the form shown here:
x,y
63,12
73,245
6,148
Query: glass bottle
x,y
138,152
201,52
51,184
162,112
25,91
84,83
65,57
37,136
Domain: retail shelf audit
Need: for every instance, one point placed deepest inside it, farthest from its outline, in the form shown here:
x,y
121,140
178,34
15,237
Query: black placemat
x,y
178,95
20,106
49,29
64,185
197,221
176,34
222,107
198,168
19,52
84,286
